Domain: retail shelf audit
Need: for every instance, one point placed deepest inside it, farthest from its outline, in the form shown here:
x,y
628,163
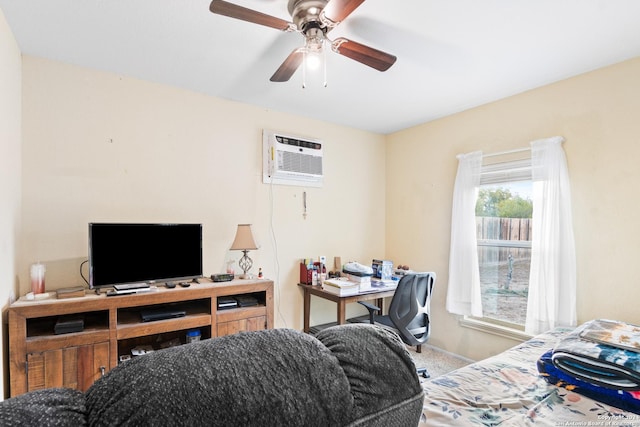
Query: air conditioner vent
x,y
291,160
301,163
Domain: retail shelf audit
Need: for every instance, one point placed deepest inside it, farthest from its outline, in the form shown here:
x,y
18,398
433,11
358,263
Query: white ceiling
x,y
452,54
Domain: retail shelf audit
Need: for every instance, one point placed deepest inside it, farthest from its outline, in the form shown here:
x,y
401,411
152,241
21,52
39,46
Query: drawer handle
x,y
102,369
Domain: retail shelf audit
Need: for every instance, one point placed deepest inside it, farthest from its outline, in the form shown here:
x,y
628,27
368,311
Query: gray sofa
x,y
350,375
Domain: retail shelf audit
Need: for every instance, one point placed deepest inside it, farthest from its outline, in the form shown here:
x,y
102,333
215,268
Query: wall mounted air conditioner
x,y
291,160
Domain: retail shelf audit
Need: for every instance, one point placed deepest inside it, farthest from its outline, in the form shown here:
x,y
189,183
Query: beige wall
x,y
597,113
103,147
10,116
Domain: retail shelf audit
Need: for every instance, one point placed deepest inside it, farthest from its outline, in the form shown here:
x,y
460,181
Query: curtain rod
x,y
559,139
501,153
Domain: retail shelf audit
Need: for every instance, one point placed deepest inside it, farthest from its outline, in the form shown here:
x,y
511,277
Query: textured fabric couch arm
x,y
352,375
277,377
384,384
55,407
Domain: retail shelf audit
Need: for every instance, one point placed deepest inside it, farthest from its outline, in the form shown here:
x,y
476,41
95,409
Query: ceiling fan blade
x,y
366,55
288,67
225,8
337,10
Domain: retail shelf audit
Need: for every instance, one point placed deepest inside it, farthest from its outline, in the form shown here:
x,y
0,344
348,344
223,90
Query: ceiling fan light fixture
x,y
314,48
314,38
314,58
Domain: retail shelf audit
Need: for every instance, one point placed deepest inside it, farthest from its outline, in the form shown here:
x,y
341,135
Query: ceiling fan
x,y
313,19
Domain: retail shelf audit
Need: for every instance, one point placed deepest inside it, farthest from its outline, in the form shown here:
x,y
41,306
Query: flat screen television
x,y
136,253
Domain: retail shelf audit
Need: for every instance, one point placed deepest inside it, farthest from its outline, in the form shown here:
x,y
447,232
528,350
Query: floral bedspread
x,y
507,390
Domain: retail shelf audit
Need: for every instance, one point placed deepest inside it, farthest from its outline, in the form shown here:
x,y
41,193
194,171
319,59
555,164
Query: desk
x,y
341,302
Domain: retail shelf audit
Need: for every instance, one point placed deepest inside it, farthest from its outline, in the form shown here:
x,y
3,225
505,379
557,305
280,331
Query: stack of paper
x,y
363,281
358,279
383,285
341,286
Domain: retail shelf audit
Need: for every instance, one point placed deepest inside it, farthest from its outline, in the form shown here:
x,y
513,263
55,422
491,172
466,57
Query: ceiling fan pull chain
x,y
304,69
324,63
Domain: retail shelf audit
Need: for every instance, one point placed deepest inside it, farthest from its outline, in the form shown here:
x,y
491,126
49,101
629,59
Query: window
x,y
503,230
551,291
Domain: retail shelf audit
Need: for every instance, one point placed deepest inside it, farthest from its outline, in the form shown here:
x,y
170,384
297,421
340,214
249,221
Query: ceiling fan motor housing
x,y
306,14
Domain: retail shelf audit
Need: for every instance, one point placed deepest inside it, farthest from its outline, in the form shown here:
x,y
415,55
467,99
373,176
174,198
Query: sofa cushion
x,y
277,377
48,407
382,375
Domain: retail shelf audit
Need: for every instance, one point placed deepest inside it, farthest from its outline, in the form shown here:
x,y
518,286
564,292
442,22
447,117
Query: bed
x,y
508,390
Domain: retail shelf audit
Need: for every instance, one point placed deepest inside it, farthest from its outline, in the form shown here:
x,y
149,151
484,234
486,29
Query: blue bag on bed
x,y
600,359
625,400
602,352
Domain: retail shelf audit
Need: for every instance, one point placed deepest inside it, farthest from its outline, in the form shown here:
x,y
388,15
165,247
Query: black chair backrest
x,y
411,306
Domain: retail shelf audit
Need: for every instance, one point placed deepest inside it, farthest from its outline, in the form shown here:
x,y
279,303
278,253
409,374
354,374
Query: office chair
x,y
409,310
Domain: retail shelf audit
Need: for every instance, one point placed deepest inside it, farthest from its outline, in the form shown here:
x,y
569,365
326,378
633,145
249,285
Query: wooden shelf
x,y
161,326
48,342
113,326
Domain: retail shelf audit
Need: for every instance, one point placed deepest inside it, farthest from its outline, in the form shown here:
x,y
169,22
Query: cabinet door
x,y
73,367
249,324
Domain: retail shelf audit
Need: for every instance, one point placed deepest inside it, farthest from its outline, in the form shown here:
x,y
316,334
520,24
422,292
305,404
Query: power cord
x,y
274,243
82,275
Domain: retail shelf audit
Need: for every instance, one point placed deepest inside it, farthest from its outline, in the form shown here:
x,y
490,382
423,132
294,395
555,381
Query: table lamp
x,y
244,242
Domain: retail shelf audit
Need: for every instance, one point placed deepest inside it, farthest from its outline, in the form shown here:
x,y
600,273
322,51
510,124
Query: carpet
x,y
436,360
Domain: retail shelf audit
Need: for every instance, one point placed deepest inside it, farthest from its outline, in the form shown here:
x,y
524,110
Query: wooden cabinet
x,y
39,358
238,320
75,367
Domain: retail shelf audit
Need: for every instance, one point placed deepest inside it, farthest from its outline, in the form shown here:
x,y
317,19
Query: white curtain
x,y
552,280
463,292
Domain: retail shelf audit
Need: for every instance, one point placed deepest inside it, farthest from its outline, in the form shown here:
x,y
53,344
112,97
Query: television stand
x,y
113,327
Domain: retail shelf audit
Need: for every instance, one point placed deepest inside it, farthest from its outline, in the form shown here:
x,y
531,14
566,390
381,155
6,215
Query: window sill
x,y
494,329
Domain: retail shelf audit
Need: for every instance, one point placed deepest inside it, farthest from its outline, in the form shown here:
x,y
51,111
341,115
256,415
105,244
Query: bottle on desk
x,y
312,273
319,272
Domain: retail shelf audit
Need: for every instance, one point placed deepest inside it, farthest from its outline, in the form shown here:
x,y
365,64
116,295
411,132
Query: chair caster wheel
x,y
423,372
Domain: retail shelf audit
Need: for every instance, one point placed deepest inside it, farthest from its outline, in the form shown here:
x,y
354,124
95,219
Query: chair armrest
x,y
370,307
372,310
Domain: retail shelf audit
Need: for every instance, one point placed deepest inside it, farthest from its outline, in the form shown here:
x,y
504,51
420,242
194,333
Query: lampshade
x,y
244,239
